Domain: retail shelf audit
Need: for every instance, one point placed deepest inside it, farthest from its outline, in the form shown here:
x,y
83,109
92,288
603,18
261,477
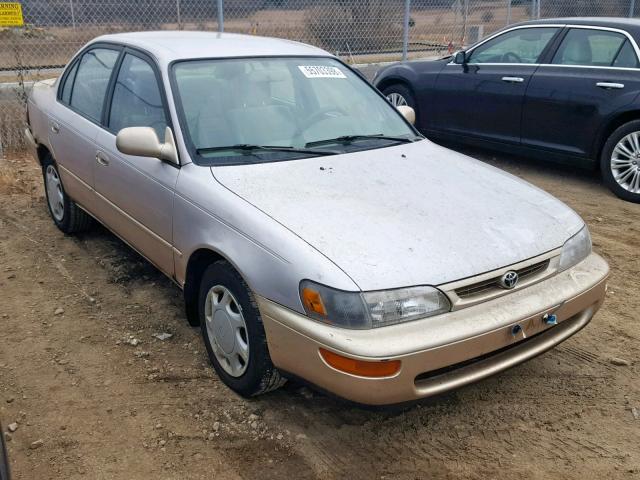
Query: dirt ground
x,y
72,308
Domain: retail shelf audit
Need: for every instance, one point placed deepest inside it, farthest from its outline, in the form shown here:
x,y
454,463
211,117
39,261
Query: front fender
x,y
271,258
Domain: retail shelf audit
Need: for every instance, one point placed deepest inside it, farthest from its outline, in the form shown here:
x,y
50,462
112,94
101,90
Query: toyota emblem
x,y
509,280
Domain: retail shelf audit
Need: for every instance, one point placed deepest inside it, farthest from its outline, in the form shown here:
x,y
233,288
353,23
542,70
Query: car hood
x,y
412,214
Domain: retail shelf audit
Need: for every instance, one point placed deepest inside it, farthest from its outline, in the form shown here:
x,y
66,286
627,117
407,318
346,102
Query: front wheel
x,y
233,333
620,162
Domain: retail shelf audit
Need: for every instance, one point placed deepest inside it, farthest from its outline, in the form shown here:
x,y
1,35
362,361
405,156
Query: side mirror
x,y
460,57
408,113
143,142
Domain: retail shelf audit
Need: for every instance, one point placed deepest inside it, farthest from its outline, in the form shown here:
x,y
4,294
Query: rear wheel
x,y
399,95
67,216
233,333
620,162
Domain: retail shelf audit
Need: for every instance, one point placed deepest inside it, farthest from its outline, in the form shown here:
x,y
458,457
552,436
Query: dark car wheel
x,y
233,332
4,461
399,95
620,162
67,216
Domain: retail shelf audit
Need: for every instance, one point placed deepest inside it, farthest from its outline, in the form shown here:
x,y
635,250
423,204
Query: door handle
x,y
55,128
609,85
101,159
513,79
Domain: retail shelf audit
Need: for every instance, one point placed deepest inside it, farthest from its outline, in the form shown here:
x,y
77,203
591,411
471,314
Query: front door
x,y
135,194
483,97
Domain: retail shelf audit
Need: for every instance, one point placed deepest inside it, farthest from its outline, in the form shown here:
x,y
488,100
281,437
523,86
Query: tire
x,y
224,335
625,182
399,90
65,213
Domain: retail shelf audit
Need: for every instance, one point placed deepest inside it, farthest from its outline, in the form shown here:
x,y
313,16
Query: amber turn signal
x,y
313,301
361,367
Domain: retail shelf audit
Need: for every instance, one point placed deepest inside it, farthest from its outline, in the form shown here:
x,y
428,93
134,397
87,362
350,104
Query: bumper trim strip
x,y
479,368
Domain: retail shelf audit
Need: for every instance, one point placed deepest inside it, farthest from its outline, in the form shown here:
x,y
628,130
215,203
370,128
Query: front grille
x,y
486,287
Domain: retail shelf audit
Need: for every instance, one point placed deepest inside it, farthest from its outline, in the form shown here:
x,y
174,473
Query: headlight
x,y
371,309
576,249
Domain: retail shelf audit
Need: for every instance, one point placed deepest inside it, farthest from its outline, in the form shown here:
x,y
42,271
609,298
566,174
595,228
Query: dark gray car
x,y
566,89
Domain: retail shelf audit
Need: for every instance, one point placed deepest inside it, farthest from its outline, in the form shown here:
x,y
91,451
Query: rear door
x,y
135,194
592,74
74,121
484,97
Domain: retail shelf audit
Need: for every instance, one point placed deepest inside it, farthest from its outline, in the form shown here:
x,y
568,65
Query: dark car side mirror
x,y
460,57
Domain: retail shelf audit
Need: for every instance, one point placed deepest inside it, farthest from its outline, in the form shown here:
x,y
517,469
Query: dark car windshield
x,y
303,106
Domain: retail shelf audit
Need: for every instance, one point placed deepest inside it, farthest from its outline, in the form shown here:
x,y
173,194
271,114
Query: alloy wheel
x,y
625,162
397,100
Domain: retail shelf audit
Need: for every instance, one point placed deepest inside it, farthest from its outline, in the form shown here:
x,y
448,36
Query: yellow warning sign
x,y
11,14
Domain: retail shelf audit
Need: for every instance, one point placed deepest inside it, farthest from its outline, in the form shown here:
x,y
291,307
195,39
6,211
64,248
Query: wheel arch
x,y
42,152
198,262
393,80
610,126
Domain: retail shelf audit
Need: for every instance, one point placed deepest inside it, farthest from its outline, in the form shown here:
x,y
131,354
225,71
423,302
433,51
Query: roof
x,y
632,25
169,45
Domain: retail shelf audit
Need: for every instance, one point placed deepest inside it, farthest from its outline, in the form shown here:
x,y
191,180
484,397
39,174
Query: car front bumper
x,y
444,352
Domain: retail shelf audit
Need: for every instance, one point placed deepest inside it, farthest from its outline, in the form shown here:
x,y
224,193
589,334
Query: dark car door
x,y
592,74
4,461
483,97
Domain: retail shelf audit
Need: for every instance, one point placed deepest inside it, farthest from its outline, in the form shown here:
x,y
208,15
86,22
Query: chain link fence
x,y
360,31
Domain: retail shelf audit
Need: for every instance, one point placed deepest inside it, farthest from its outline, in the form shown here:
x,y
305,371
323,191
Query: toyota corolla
x,y
315,233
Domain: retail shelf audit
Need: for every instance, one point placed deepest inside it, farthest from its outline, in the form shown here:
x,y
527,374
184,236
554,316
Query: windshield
x,y
234,108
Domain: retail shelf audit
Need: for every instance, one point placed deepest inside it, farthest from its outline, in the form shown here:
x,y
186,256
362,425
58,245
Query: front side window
x,y
597,48
524,45
136,98
296,103
92,79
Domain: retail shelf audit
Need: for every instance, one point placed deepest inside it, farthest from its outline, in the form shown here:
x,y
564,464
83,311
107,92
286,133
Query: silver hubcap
x,y
55,197
397,100
227,330
625,162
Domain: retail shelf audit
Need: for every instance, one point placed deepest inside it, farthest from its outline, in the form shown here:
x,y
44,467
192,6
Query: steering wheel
x,y
510,55
318,116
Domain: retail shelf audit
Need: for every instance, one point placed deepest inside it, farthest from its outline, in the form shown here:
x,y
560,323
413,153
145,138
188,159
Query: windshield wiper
x,y
350,138
246,147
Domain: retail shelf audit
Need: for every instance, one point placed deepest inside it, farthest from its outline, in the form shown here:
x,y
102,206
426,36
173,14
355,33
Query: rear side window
x,y
523,45
597,48
92,79
136,98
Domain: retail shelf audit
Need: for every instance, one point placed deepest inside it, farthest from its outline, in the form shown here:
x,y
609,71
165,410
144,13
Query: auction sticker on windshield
x,y
321,71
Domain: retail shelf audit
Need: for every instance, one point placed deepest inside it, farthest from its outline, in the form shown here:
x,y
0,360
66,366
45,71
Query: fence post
x,y
220,16
178,12
508,12
632,8
405,27
73,15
